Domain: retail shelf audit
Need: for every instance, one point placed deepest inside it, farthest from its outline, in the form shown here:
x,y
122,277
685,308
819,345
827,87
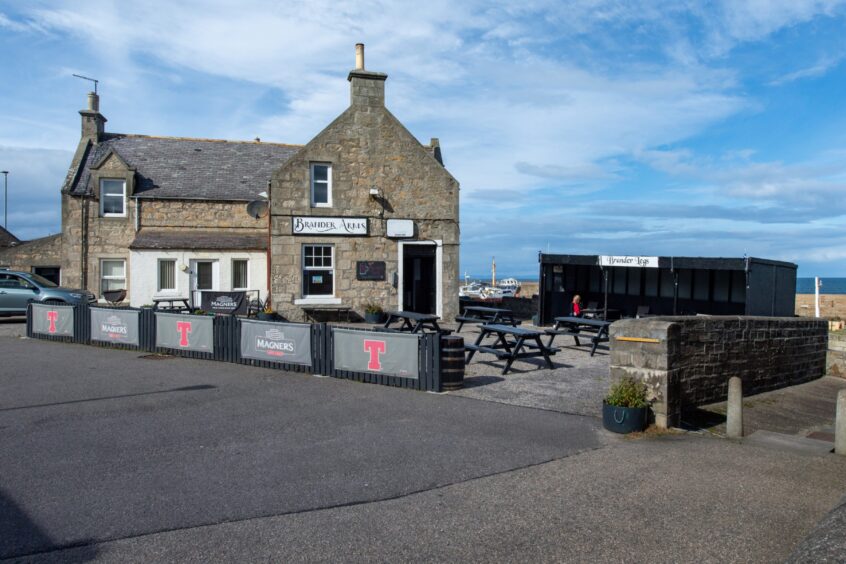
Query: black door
x,y
419,278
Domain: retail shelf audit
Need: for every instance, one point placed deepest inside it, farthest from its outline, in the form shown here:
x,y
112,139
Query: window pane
x,y
204,276
318,283
112,187
668,284
722,280
321,172
111,284
113,205
112,268
321,194
167,275
239,274
701,283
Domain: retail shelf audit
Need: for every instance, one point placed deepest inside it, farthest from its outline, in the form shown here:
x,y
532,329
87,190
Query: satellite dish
x,y
257,209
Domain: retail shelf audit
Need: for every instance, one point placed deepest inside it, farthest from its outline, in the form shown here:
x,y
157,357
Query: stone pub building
x,y
362,214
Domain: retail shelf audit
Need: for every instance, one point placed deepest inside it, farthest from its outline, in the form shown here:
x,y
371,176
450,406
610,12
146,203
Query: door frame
x,y
439,271
196,299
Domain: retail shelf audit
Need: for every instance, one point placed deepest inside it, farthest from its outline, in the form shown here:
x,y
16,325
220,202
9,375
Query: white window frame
x,y
312,182
159,288
320,299
232,267
104,196
104,277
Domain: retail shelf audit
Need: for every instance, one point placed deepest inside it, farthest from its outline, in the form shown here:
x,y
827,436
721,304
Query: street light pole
x,y
5,174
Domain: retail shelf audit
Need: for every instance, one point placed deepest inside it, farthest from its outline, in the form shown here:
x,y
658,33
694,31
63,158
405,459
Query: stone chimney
x,y
367,89
93,122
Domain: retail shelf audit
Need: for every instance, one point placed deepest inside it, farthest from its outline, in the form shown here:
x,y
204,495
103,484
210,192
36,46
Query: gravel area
x,y
576,385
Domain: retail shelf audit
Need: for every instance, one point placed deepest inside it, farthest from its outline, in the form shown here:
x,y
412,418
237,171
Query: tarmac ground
x,y
110,455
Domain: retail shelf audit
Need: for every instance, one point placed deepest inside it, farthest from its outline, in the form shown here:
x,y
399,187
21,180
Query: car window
x,y
43,281
12,281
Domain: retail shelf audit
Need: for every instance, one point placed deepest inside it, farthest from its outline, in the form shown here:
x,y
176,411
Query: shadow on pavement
x,y
20,535
183,389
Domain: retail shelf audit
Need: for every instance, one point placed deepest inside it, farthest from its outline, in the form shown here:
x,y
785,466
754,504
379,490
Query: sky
x,y
621,127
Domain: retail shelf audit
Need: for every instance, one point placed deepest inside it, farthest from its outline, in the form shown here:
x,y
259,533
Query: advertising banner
x,y
185,332
231,303
52,320
392,354
276,342
115,326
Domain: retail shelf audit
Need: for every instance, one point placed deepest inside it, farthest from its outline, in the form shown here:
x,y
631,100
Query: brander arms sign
x,y
329,225
635,262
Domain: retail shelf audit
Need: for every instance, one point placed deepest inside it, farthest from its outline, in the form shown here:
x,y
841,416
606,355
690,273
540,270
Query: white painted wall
x,y
144,272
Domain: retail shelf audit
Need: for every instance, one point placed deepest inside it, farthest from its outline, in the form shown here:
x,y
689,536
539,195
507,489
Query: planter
x,y
375,317
265,316
623,419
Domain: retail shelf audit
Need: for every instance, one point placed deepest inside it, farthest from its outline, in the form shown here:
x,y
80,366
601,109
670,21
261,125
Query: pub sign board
x,y
225,303
276,342
370,270
391,354
53,320
115,326
629,261
185,332
312,225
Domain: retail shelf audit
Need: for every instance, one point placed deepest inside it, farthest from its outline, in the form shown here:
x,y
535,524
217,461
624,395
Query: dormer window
x,y
112,198
321,185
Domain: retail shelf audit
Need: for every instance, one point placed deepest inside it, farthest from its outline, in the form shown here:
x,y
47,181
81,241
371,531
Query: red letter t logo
x,y
375,348
184,327
53,316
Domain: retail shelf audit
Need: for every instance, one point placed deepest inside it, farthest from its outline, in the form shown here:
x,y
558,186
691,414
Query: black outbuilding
x,y
625,286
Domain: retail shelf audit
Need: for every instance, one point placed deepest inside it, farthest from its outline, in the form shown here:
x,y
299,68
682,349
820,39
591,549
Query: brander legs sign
x,y
276,342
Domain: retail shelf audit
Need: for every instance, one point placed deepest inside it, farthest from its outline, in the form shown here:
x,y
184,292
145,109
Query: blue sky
x,y
683,127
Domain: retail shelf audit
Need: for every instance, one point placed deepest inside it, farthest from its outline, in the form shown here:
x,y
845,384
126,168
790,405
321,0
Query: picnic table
x,y
511,344
412,322
596,329
171,304
482,314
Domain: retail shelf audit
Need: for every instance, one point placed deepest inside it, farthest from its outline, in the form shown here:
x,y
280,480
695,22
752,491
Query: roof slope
x,y
199,240
7,239
182,168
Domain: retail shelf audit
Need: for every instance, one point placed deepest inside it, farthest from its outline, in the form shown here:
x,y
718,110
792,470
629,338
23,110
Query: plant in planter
x,y
373,313
625,408
267,314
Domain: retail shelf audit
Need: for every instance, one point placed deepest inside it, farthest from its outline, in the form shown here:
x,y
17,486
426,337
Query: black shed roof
x,y
184,168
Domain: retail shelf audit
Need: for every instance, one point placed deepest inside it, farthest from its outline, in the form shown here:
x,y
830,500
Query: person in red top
x,y
576,307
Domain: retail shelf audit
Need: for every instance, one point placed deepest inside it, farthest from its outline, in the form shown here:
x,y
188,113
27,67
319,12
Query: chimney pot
x,y
359,56
93,102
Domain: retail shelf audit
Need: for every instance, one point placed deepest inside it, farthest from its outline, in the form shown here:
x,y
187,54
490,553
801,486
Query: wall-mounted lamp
x,y
374,192
183,267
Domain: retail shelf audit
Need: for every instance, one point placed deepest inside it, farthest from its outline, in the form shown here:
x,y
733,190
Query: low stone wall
x,y
835,361
687,361
831,305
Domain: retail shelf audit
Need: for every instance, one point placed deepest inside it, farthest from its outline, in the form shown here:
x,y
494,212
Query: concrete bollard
x,y
840,424
734,409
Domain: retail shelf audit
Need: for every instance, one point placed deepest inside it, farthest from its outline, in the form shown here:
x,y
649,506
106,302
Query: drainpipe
x,y
269,238
137,215
83,251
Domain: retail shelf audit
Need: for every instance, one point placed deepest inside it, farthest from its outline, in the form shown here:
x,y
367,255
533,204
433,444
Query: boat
x,y
510,287
480,291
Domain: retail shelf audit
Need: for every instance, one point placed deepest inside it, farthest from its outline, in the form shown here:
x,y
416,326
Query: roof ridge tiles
x,y
200,139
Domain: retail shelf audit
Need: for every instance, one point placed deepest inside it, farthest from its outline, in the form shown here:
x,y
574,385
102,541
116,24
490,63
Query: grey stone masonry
x,y
836,358
687,361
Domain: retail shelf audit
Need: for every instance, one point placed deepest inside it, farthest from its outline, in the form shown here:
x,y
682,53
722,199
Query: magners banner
x,y
185,332
230,303
52,320
115,326
276,342
392,354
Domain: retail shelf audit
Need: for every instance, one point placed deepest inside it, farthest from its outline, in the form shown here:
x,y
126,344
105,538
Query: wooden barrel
x,y
452,362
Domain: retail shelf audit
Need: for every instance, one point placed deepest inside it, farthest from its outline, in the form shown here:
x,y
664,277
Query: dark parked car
x,y
17,289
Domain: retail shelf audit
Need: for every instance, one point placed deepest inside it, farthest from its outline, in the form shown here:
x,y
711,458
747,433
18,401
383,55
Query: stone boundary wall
x,y
831,305
687,361
835,362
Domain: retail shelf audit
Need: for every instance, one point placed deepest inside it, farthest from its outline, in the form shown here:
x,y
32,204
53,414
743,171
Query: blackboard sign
x,y
370,270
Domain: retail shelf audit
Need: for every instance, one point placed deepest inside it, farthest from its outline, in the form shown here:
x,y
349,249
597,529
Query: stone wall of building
x,y
687,361
199,214
835,362
368,148
46,251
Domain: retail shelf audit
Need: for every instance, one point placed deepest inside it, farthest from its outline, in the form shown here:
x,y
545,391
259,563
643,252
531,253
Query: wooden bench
x,y
576,327
498,352
481,314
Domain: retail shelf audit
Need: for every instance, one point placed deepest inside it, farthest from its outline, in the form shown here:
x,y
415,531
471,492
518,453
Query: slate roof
x,y
7,239
183,168
199,240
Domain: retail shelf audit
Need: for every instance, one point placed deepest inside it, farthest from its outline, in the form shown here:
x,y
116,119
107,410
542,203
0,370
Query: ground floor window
x,y
167,275
318,271
112,275
240,268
